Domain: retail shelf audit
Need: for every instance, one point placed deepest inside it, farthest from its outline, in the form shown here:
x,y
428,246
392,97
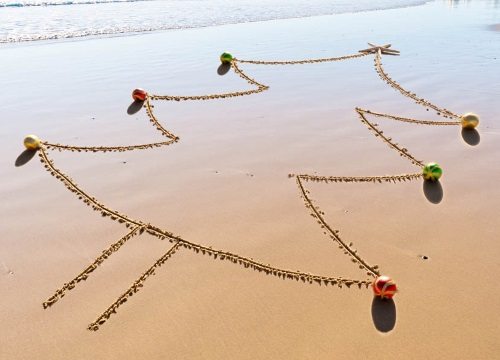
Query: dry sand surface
x,y
225,184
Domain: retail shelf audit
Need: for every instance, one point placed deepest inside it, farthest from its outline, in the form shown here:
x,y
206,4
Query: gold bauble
x,y
469,121
32,142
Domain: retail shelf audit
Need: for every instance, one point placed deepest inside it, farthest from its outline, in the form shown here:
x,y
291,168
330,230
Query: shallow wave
x,y
59,3
119,17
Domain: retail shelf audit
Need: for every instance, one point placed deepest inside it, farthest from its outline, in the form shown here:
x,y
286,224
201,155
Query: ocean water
x,y
34,20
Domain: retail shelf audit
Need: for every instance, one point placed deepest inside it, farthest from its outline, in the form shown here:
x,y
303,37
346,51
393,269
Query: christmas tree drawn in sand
x,y
383,286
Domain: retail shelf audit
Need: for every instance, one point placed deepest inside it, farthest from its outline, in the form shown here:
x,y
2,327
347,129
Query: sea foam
x,y
61,19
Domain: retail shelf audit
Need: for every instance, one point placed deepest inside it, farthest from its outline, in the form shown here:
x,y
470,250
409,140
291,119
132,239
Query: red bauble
x,y
384,287
139,94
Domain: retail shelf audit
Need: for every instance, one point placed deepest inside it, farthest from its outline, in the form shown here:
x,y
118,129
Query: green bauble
x,y
432,172
226,58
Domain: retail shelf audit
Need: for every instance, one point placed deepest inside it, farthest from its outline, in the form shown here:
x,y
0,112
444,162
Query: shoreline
x,y
153,31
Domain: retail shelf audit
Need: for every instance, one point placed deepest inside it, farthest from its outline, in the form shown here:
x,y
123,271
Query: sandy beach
x,y
225,184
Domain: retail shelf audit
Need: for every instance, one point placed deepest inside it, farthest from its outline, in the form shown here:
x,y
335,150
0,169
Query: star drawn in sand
x,y
384,49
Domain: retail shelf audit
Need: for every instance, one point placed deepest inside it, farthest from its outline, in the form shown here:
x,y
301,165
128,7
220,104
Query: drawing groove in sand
x,y
138,227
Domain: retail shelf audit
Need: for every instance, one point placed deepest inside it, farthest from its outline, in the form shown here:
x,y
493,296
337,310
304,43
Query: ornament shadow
x,y
383,314
223,69
433,191
471,136
135,107
25,157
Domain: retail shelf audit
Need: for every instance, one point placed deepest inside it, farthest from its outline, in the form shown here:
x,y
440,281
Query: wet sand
x,y
225,184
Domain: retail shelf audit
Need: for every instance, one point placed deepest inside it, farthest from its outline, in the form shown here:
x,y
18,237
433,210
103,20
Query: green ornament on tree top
x,y
226,58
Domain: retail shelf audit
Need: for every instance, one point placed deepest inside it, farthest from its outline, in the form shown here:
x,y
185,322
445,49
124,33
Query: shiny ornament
x,y
226,58
432,172
32,142
469,120
139,94
384,287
